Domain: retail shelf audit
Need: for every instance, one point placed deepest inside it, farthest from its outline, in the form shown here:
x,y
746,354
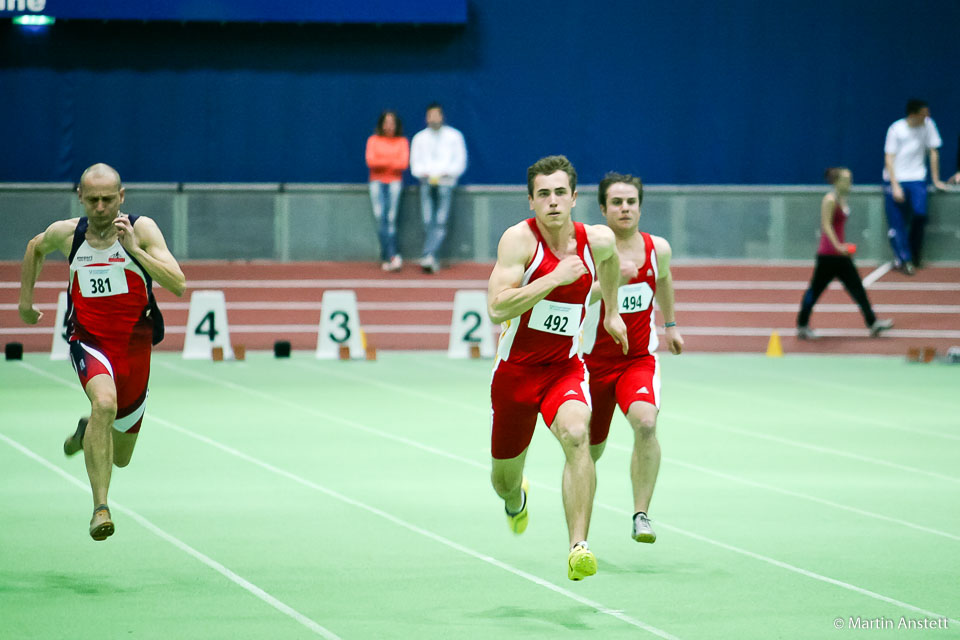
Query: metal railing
x,y
287,222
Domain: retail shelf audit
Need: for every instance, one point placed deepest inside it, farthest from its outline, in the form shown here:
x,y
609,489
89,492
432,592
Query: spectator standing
x,y
909,141
388,156
438,157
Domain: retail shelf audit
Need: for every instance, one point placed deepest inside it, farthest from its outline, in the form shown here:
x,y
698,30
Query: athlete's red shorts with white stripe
x,y
130,369
519,392
621,382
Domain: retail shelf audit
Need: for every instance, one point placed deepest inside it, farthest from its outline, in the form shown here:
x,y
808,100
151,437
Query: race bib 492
x,y
561,318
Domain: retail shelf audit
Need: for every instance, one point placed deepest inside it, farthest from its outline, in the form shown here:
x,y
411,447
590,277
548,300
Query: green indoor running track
x,y
297,498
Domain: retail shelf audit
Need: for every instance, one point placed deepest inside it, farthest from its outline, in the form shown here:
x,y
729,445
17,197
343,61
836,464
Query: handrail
x,y
271,187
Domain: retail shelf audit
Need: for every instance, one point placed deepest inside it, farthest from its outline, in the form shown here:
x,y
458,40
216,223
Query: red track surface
x,y
719,307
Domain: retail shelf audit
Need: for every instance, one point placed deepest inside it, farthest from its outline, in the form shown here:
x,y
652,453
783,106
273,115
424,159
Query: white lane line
x,y
458,366
876,274
418,530
405,391
871,514
797,494
810,447
803,445
294,283
811,574
518,572
789,307
386,283
772,561
831,333
916,286
301,306
840,414
238,580
444,329
50,376
838,386
716,307
827,450
321,414
743,285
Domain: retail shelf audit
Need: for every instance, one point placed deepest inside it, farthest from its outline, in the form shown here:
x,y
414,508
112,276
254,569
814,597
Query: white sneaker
x,y
429,264
642,531
806,333
879,326
395,263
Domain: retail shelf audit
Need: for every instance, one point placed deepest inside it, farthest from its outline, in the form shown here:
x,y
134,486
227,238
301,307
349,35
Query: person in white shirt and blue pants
x,y
438,157
909,141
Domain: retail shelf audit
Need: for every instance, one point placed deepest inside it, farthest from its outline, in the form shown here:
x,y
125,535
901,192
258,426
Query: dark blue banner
x,y
291,11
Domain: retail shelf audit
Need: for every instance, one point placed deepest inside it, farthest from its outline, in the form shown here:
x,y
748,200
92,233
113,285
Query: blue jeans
x,y
435,207
385,198
907,246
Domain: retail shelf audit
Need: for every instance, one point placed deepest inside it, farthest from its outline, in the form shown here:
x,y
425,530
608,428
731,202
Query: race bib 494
x,y
634,298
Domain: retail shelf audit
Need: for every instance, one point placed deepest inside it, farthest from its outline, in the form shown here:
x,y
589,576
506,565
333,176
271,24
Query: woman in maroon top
x,y
833,258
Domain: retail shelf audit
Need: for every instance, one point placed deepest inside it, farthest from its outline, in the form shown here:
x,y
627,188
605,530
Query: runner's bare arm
x,y
664,293
146,244
934,155
595,293
628,271
57,236
604,246
506,298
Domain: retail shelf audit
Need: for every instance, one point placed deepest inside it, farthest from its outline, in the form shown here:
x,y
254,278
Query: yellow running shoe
x,y
581,562
518,521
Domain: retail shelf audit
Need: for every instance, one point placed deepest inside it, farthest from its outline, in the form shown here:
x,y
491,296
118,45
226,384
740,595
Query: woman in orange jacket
x,y
388,156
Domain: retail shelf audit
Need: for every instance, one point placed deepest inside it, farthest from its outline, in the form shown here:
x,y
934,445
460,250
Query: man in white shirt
x,y
909,141
438,157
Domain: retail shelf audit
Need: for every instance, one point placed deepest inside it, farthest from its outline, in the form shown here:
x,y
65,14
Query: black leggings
x,y
828,268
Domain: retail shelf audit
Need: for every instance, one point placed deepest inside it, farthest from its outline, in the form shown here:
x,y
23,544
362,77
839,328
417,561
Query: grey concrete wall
x,y
334,222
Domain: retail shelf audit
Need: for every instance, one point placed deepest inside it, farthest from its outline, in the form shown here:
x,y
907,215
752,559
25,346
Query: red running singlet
x,y
549,332
635,300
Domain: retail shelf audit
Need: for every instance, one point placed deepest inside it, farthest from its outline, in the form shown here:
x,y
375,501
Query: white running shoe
x,y
806,333
642,531
429,264
880,326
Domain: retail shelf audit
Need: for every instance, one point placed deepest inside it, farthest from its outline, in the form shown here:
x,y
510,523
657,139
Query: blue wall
x,y
746,91
293,11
